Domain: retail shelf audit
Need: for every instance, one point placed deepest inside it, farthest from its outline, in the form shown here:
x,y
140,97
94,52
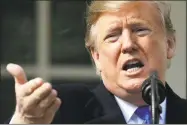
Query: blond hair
x,y
97,8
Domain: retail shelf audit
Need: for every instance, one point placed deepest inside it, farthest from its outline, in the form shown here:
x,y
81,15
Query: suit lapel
x,y
111,112
176,109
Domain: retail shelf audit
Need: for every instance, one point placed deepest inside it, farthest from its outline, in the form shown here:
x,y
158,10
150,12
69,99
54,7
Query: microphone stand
x,y
155,107
153,93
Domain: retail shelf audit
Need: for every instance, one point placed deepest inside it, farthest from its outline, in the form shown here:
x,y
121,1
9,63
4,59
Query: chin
x,y
133,85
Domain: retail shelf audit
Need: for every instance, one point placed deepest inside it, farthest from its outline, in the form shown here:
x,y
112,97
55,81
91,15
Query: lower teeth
x,y
133,69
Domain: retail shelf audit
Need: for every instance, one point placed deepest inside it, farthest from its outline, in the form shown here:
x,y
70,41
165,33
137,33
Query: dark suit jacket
x,y
82,105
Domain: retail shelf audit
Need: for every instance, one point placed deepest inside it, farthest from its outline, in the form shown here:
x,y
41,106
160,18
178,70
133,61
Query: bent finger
x,y
39,94
31,86
54,107
44,104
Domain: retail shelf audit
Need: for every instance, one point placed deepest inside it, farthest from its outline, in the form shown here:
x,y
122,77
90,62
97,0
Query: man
x,y
127,40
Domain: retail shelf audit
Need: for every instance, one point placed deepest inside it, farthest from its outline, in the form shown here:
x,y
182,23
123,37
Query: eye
x,y
140,31
112,37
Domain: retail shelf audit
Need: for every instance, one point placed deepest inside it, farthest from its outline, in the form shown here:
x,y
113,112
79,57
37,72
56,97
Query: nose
x,y
128,42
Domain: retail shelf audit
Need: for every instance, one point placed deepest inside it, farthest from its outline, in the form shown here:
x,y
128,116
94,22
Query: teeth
x,y
133,62
133,69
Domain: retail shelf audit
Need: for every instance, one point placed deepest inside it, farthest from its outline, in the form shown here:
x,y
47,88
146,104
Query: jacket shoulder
x,y
176,112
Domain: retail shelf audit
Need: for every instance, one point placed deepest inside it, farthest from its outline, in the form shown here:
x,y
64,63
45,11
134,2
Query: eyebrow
x,y
114,25
138,22
133,21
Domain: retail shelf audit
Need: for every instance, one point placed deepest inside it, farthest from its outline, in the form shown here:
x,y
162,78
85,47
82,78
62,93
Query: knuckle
x,y
58,101
26,90
30,81
54,93
33,85
42,105
48,86
38,80
38,95
47,101
37,98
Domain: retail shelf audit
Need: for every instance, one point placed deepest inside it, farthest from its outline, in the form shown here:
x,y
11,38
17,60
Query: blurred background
x,y
47,39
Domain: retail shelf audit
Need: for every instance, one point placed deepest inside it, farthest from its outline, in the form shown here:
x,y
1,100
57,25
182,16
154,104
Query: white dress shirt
x,y
128,111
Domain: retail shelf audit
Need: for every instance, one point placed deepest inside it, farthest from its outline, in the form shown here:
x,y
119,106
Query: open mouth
x,y
133,65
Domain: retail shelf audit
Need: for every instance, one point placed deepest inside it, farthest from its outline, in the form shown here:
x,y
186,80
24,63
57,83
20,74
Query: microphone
x,y
153,93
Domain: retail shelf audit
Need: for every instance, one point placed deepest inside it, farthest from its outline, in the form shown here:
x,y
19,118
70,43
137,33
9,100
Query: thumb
x,y
17,72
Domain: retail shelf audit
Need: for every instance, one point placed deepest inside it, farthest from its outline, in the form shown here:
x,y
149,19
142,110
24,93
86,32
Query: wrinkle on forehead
x,y
143,12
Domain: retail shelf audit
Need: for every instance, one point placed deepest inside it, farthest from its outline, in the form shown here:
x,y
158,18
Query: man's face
x,y
130,44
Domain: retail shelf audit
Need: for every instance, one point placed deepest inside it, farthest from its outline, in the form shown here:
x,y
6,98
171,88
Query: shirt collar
x,y
128,109
163,114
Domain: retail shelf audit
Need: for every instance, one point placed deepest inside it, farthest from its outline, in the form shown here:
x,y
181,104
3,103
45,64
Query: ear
x,y
95,56
171,46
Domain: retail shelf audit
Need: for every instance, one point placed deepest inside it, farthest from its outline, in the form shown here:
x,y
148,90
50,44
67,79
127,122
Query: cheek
x,y
109,55
155,51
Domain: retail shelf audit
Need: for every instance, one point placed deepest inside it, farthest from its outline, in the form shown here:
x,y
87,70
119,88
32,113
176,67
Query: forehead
x,y
141,11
